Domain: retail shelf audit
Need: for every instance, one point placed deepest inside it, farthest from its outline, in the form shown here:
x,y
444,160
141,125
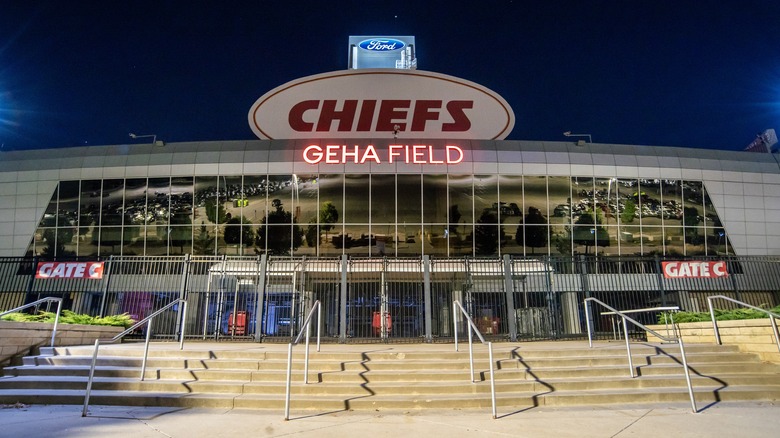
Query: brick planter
x,y
21,338
751,335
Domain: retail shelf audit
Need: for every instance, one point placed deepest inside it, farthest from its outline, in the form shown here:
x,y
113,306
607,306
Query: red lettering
x,y
460,121
391,113
422,113
328,114
295,118
366,117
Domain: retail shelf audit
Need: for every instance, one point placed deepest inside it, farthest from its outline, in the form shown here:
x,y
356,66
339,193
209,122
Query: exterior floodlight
x,y
569,134
153,137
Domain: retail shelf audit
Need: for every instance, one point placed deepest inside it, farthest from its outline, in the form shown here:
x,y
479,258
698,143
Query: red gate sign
x,y
91,270
694,269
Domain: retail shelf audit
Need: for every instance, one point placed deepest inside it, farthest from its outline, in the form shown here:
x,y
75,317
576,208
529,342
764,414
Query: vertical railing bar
x,y
492,379
56,322
146,347
90,378
628,348
687,375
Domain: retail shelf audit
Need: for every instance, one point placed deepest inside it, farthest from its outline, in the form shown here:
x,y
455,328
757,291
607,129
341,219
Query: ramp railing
x,y
771,316
626,319
148,321
472,328
47,300
306,328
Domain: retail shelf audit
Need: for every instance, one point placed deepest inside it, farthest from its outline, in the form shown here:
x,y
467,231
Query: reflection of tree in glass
x,y
181,235
55,242
690,221
486,234
213,209
328,215
279,240
203,243
236,234
454,219
535,235
562,241
629,210
311,233
588,231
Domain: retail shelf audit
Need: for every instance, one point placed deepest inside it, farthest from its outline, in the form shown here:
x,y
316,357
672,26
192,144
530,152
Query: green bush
x,y
68,317
720,315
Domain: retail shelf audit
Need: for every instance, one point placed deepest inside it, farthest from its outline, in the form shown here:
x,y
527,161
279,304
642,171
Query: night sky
x,y
702,74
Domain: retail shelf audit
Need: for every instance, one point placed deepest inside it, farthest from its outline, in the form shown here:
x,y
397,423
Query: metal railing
x,y
771,315
148,322
671,309
35,304
307,329
626,318
473,329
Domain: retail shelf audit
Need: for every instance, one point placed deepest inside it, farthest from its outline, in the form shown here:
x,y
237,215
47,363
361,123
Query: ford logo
x,y
381,45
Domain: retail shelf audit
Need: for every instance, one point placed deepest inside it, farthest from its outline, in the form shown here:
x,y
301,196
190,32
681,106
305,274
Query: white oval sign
x,y
381,103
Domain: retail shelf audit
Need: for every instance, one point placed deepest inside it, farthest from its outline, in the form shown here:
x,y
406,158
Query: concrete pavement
x,y
754,420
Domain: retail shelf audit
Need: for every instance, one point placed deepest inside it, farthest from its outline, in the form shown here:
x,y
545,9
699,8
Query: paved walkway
x,y
754,420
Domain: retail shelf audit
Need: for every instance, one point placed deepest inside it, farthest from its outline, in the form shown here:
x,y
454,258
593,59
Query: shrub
x,y
720,315
69,317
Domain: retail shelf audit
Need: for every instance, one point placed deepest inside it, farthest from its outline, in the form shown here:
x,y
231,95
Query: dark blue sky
x,y
702,74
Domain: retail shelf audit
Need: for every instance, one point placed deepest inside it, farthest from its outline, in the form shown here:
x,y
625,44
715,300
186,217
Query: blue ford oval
x,y
381,45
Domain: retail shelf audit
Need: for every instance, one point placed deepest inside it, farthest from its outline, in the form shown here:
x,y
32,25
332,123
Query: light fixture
x,y
153,136
569,134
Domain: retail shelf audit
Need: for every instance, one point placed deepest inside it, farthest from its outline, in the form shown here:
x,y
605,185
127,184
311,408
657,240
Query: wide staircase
x,y
390,377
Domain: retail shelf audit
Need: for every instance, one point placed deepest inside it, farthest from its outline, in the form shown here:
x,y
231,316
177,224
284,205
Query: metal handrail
x,y
676,340
36,303
307,328
771,315
473,328
148,322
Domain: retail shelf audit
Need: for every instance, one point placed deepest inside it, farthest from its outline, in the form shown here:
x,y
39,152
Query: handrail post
x,y
319,324
714,321
687,375
492,379
289,376
455,324
628,348
471,355
587,323
56,321
90,378
306,361
183,324
146,347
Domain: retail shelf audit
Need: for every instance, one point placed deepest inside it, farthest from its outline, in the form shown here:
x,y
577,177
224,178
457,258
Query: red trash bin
x,y
239,322
376,323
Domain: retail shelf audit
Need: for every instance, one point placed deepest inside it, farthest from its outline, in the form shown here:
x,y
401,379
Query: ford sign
x,y
381,45
381,103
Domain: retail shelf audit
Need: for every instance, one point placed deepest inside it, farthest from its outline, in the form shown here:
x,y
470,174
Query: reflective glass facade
x,y
379,214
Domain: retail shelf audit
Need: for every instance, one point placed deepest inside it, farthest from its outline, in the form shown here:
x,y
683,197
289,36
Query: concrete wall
x,y
751,335
23,338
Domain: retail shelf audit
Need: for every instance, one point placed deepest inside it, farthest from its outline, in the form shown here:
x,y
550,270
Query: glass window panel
x,y
511,200
604,199
461,243
435,203
650,201
156,240
436,238
461,210
111,208
255,193
713,228
582,196
66,245
180,240
486,236
110,240
486,197
49,218
204,239
133,240
559,206
561,239
409,205
608,244
410,239
630,240
231,196
46,244
135,201
358,240
627,197
206,201
383,199
181,201
671,193
89,211
674,241
693,217
307,199
652,240
68,207
158,201
357,203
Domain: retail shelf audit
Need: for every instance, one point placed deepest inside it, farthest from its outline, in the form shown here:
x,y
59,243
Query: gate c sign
x,y
91,270
694,269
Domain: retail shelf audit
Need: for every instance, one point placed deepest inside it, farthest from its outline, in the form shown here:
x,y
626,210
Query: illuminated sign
x,y
381,103
91,270
381,45
694,269
394,153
